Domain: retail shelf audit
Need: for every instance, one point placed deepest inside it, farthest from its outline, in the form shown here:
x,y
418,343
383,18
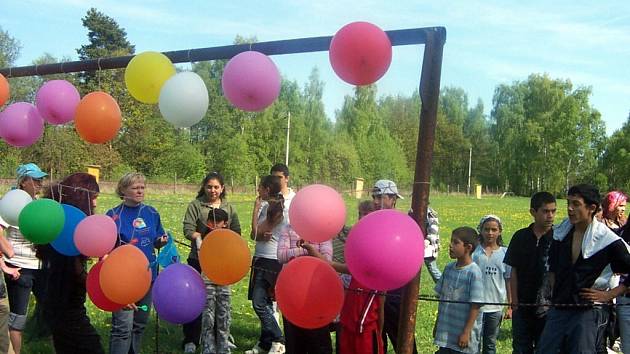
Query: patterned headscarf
x,y
489,217
610,203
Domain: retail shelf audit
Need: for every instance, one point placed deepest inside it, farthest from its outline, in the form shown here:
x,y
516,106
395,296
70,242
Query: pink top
x,y
288,249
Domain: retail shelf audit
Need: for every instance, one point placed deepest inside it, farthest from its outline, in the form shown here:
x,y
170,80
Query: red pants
x,y
351,342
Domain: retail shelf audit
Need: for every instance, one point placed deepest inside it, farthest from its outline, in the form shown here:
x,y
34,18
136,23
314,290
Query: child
x,y
489,257
216,318
457,326
300,340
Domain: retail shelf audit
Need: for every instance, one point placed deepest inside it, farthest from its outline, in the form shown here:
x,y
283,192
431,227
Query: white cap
x,y
385,186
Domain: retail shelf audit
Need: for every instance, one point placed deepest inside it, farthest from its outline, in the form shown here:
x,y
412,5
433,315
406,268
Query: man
x,y
282,171
527,254
384,196
581,248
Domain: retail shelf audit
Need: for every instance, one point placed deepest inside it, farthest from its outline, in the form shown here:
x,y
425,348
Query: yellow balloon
x,y
146,73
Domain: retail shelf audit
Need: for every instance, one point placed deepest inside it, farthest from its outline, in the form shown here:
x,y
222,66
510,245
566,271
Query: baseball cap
x,y
385,186
30,170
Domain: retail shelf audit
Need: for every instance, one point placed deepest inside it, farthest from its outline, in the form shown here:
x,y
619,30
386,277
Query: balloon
x,y
360,53
309,292
384,250
11,205
146,73
251,81
21,124
224,257
96,235
179,294
317,213
96,293
97,118
57,101
125,276
41,221
64,243
4,90
184,99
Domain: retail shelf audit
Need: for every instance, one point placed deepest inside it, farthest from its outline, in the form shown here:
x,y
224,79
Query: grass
x,y
454,211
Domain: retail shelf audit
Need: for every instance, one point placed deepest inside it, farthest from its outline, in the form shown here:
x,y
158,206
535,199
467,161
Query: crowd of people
x,y
581,263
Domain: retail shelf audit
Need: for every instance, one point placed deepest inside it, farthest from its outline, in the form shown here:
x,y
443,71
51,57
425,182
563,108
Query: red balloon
x,y
360,53
309,292
96,294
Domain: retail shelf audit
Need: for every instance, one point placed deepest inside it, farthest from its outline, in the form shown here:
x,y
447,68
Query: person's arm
x,y
255,214
513,281
464,338
5,245
603,296
337,266
190,222
235,225
285,251
508,289
161,237
14,273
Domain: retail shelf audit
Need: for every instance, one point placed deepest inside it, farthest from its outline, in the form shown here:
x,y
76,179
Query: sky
x,y
488,42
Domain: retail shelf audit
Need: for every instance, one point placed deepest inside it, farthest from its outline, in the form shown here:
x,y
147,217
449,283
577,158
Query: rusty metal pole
x,y
429,95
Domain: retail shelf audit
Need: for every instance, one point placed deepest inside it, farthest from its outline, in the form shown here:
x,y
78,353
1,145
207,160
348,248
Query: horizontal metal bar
x,y
290,46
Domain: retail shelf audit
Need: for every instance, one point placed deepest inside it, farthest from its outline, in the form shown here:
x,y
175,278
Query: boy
x,y
457,326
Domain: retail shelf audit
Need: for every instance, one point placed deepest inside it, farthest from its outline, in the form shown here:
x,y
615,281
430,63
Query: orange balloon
x,y
97,118
224,257
125,275
4,90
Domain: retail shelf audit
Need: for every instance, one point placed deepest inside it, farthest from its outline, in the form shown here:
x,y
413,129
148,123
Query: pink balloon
x,y
317,213
251,81
384,250
21,124
95,235
56,101
360,53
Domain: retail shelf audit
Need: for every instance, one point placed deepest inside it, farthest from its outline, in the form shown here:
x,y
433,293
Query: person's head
x,y
464,240
212,187
365,207
30,178
385,194
217,219
79,190
282,171
614,205
490,229
542,207
599,214
131,188
582,203
269,185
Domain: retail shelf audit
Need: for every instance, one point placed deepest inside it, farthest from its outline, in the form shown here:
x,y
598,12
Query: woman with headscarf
x,y
613,210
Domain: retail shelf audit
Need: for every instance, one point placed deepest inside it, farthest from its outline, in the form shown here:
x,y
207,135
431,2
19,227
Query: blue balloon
x,y
64,243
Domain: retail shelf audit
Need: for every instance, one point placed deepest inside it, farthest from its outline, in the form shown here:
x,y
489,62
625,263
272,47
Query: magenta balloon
x,y
251,81
384,250
317,213
21,124
57,100
96,235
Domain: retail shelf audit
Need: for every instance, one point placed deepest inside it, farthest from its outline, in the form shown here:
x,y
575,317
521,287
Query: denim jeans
x,y
433,269
569,330
490,331
623,318
526,330
128,328
263,306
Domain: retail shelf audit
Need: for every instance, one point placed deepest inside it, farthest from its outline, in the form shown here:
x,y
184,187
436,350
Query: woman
x,y
65,276
613,210
21,259
211,195
140,225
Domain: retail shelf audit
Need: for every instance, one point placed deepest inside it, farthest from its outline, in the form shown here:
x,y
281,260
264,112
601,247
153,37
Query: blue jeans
x,y
569,330
526,330
433,269
128,327
263,306
623,318
490,331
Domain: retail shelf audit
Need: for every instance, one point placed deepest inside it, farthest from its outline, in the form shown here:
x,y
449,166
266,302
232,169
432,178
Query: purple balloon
x,y
179,294
57,100
251,81
385,250
21,124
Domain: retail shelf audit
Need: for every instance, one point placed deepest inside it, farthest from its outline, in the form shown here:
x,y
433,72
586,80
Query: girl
x,y
495,276
299,340
613,210
140,225
211,195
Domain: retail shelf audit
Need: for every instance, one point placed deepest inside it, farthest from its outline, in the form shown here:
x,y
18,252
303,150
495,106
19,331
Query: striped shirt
x,y
288,249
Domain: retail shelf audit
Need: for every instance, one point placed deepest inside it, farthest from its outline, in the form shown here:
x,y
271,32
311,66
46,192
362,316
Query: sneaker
x,y
256,349
277,348
190,348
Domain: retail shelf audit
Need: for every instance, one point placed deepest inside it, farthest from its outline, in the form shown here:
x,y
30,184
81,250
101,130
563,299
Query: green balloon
x,y
41,221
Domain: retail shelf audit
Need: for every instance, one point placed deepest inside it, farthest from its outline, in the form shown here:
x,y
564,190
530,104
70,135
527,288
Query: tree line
x,y
542,133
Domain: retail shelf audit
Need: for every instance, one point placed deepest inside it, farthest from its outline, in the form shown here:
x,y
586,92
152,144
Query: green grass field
x,y
454,211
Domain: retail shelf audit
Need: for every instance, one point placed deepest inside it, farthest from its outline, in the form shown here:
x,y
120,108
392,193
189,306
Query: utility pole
x,y
469,169
286,155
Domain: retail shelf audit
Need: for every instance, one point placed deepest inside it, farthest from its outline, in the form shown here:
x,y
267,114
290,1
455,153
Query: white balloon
x,y
184,99
11,205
